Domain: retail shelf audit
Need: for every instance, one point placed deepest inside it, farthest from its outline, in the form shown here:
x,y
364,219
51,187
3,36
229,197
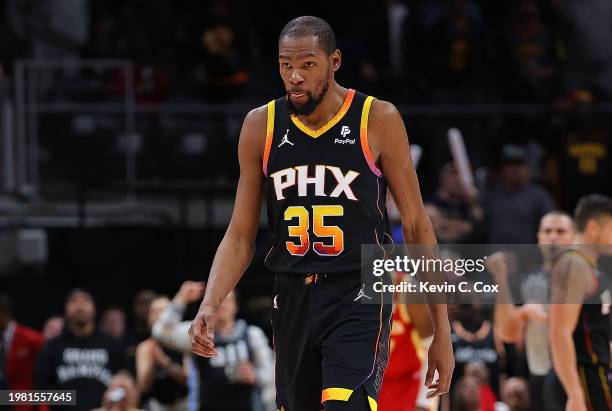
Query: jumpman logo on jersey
x,y
285,139
362,294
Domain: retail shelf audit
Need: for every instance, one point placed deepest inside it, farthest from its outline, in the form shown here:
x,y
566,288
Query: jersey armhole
x,y
364,137
269,136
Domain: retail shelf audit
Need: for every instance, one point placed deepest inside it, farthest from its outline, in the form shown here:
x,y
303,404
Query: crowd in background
x,y
437,51
113,367
434,52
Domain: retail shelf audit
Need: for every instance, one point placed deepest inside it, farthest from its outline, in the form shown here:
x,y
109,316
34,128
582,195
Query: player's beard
x,y
310,105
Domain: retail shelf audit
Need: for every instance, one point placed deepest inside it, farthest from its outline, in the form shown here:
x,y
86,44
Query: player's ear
x,y
592,227
336,59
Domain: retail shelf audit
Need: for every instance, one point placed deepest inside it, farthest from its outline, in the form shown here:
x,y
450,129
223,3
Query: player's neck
x,y
586,246
328,108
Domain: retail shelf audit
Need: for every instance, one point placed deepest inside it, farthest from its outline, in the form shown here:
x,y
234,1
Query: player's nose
x,y
296,78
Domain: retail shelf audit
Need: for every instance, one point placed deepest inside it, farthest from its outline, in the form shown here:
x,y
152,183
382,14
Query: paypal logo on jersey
x,y
290,177
345,141
344,131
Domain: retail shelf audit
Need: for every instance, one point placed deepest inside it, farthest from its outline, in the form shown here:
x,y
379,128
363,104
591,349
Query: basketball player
x,y
323,155
579,326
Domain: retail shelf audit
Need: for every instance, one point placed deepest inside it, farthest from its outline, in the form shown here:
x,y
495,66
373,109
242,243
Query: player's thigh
x,y
355,353
298,362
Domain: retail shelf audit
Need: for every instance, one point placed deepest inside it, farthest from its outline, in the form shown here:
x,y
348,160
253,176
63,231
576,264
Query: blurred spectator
x,y
583,151
515,394
513,206
160,372
19,348
474,341
121,395
140,314
235,378
81,358
529,321
112,322
466,396
532,64
53,327
588,29
479,371
387,56
226,42
456,216
456,54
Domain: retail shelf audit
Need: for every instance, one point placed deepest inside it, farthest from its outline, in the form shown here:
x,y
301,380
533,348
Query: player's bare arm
x,y
509,322
569,285
389,145
238,245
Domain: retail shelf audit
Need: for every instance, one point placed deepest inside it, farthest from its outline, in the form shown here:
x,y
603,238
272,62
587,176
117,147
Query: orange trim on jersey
x,y
336,394
604,385
332,122
587,340
373,404
364,136
585,388
269,136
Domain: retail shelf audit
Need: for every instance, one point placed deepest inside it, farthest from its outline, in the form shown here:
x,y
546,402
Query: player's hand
x,y
190,292
498,267
202,332
246,373
440,361
575,403
534,312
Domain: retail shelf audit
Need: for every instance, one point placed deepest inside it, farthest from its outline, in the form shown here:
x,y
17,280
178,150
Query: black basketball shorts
x,y
331,342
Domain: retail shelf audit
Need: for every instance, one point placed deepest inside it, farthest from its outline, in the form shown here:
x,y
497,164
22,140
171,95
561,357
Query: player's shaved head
x,y
311,26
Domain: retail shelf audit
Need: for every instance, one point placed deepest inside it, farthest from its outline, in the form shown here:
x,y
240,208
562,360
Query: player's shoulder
x,y
383,110
257,116
385,125
384,117
571,260
254,128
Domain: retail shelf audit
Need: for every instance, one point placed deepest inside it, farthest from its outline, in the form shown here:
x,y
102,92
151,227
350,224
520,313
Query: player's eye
x,y
309,64
284,64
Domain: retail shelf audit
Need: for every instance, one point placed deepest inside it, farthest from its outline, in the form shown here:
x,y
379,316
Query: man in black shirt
x,y
81,358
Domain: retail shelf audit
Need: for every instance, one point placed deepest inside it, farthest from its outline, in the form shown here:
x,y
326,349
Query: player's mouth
x,y
298,96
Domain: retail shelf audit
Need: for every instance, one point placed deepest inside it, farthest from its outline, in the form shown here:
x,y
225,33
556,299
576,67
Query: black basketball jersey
x,y
592,333
325,195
